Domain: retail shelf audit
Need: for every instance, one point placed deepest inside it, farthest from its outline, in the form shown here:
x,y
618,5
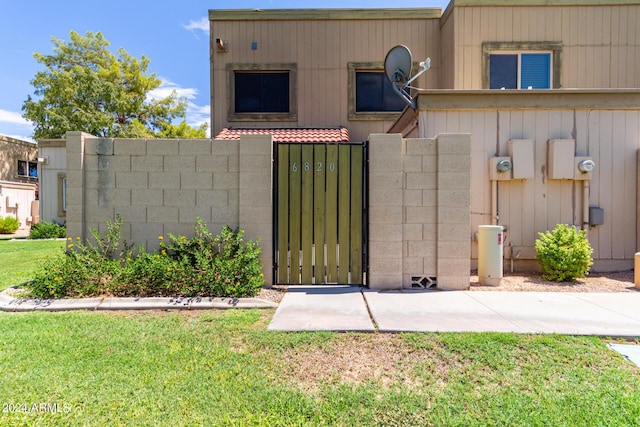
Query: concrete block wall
x,y
419,210
162,186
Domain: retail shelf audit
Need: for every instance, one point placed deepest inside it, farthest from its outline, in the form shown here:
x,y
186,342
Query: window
x,y
375,93
521,65
62,195
27,169
262,92
371,96
520,70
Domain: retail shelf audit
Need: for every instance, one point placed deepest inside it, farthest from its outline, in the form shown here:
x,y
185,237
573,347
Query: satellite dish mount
x,y
397,67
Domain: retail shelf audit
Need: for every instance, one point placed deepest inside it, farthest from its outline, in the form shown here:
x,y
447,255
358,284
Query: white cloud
x,y
13,118
199,114
196,114
167,87
201,24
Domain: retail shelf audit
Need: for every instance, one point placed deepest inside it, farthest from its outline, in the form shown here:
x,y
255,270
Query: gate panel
x,y
356,214
344,203
331,222
320,219
319,206
295,184
283,217
306,170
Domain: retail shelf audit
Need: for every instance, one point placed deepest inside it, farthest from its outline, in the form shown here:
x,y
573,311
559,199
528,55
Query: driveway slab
x,y
322,308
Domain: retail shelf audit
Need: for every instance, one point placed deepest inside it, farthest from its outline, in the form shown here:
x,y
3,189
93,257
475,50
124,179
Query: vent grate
x,y
424,282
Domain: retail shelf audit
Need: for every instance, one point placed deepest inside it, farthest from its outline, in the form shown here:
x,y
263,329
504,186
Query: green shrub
x,y
220,266
47,230
564,253
8,225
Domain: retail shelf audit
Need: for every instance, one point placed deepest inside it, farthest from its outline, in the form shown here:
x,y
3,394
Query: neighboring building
x,y
19,180
53,180
541,84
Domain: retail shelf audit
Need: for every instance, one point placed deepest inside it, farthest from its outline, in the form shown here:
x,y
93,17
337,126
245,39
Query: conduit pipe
x,y
494,202
585,206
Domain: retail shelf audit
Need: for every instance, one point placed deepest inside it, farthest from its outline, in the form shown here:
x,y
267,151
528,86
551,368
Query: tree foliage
x,y
85,87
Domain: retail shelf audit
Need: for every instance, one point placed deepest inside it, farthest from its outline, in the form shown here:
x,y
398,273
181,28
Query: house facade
x,y
543,84
549,87
19,180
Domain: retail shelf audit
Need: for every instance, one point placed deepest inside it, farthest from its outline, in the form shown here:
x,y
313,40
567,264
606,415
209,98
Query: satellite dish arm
x,y
426,64
398,84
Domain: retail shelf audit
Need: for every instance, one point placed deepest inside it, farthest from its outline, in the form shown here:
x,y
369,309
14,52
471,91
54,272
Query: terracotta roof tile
x,y
339,134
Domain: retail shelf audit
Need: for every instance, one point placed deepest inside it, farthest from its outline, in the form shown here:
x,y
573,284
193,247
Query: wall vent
x,y
424,282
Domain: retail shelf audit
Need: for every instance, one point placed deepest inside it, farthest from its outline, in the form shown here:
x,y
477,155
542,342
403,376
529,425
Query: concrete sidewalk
x,y
354,309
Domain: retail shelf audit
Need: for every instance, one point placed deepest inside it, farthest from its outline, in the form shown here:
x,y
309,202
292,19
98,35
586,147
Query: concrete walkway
x,y
354,309
11,304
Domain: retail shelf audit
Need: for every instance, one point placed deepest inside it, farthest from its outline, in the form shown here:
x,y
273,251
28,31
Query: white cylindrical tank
x,y
490,240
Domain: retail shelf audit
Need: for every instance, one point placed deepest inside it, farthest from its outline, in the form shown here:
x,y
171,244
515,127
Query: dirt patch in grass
x,y
384,359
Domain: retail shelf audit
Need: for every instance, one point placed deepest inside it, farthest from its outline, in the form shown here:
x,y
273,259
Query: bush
x,y
564,253
47,230
8,225
220,266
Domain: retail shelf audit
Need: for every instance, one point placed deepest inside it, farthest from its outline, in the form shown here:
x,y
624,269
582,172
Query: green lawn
x,y
223,368
19,259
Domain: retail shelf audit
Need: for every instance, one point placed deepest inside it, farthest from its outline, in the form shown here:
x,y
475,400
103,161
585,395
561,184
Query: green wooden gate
x,y
320,215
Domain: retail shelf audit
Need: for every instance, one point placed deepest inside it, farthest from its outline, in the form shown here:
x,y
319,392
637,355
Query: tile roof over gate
x,y
339,134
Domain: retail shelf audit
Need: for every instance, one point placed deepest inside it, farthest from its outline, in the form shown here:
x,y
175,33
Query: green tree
x,y
85,87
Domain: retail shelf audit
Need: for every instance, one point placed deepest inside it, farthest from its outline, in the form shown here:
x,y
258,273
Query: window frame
x,y
290,68
62,194
353,69
28,164
506,48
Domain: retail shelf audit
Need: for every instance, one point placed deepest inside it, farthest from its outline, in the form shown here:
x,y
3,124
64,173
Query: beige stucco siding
x,y
600,43
322,50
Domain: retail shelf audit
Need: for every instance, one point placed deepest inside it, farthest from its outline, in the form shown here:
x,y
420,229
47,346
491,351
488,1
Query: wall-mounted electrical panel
x,y
561,153
522,155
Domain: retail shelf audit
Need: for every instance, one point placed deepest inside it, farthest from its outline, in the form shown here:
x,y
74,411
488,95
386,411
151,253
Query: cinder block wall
x,y
162,186
419,211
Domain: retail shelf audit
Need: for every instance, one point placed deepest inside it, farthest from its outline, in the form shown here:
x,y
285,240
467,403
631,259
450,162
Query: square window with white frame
x,y
27,169
522,65
520,70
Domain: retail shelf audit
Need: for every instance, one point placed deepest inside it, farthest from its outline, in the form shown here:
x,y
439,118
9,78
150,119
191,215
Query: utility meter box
x,y
500,168
561,158
522,155
583,168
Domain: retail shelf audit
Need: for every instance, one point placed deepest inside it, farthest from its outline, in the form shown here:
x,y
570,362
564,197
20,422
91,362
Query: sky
x,y
174,35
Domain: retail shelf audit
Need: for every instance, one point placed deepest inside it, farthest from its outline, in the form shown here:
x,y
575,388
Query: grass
x,y
21,258
222,368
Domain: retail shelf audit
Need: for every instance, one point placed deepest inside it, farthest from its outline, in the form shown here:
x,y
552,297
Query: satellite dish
x,y
397,67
